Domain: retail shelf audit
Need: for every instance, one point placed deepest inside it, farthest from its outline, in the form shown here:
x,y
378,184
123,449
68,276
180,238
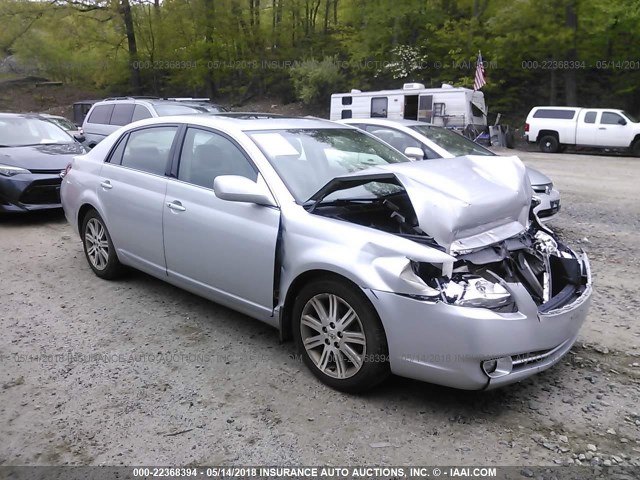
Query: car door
x,y
613,131
587,127
220,249
132,190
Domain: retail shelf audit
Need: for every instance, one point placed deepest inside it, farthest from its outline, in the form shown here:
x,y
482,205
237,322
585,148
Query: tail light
x,y
526,127
67,169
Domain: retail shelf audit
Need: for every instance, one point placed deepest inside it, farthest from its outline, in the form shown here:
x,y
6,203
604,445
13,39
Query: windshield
x,y
23,131
631,117
63,123
452,142
308,159
168,110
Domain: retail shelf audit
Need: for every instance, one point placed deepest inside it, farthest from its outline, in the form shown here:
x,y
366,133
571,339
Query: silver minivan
x,y
107,116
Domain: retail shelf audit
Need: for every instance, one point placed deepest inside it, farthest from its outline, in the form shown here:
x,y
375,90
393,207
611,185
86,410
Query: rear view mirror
x,y
79,137
414,153
235,188
622,121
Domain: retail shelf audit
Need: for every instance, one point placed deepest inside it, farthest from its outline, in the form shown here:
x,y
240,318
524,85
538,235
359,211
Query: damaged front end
x,y
478,212
503,298
553,275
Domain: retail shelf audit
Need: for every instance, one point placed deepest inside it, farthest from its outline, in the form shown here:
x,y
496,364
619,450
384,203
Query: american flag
x,y
479,81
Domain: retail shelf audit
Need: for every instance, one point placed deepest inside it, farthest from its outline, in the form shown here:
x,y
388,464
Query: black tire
x,y
341,341
549,144
635,149
103,260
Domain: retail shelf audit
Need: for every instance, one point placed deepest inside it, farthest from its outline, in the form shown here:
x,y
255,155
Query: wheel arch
x,y
544,133
298,283
82,213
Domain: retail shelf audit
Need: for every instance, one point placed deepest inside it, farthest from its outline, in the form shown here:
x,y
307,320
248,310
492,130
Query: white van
x,y
448,106
553,128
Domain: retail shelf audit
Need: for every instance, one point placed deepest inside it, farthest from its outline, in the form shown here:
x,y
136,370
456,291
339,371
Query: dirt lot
x,y
139,372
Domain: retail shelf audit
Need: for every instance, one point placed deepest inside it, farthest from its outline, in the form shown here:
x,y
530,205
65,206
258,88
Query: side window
x,y
346,114
347,100
122,114
116,154
101,114
206,155
590,117
379,107
610,118
148,149
558,114
140,112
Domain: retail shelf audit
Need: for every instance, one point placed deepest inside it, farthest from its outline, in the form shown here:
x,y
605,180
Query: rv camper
x,y
448,106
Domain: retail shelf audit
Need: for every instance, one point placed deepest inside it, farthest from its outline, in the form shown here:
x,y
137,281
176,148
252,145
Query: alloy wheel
x,y
333,336
97,244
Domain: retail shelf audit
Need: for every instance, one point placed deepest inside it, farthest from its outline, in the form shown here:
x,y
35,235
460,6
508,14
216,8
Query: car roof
x,y
386,121
248,123
148,100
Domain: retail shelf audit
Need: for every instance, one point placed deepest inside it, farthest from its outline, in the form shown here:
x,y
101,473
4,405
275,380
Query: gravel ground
x,y
138,372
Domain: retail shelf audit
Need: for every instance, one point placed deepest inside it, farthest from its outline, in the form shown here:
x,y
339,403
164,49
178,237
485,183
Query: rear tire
x,y
98,247
340,336
549,144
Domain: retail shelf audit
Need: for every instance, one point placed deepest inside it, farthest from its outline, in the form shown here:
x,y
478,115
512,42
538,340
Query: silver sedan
x,y
374,265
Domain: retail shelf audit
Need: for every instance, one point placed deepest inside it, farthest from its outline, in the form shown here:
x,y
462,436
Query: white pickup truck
x,y
553,128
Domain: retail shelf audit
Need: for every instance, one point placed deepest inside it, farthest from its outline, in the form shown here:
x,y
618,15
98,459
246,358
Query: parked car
x,y
67,125
33,152
554,128
436,142
109,115
373,264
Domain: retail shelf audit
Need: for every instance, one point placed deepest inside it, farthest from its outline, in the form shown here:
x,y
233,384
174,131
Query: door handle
x,y
176,206
602,128
106,184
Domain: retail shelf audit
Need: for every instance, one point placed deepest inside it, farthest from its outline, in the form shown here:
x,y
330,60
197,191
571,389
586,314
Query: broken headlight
x,y
461,289
474,291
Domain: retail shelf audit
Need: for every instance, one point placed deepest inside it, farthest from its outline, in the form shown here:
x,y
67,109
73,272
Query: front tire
x,y
635,149
549,144
340,336
98,247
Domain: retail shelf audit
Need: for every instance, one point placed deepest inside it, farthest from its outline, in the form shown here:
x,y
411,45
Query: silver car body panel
x,y
219,228
264,250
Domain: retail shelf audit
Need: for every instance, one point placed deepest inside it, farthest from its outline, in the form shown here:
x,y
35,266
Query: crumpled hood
x,y
463,203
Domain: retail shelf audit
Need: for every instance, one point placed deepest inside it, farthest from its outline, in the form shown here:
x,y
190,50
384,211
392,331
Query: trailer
x,y
448,106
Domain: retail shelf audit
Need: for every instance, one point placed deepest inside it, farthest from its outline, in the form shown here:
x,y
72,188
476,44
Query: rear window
x,y
101,114
559,114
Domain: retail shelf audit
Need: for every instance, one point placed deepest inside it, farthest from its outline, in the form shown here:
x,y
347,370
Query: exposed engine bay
x,y
552,273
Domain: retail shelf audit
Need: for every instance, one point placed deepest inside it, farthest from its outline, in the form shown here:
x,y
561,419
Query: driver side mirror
x,y
414,153
79,137
235,188
622,121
